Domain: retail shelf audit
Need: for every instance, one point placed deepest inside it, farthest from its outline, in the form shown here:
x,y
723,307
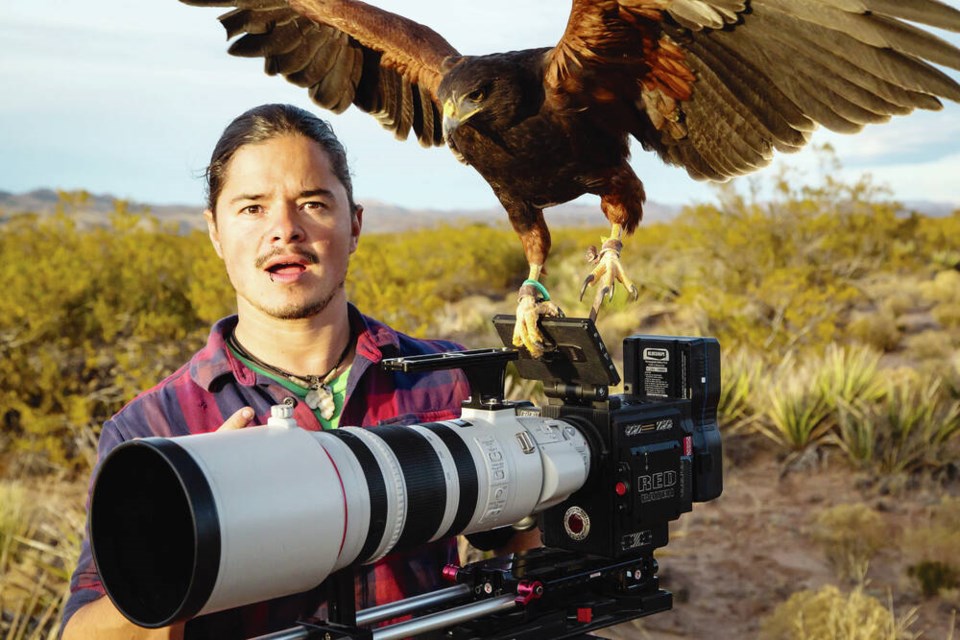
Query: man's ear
x,y
356,226
213,232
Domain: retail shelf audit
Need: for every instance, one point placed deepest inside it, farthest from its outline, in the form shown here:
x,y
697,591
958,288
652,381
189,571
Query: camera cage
x,y
544,592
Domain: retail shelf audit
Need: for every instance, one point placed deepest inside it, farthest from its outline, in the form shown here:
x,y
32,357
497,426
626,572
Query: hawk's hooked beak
x,y
456,110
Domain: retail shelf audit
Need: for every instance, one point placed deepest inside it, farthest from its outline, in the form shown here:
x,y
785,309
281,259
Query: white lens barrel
x,y
281,506
192,525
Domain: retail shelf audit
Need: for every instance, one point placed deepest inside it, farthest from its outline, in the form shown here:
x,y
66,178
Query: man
x,y
281,216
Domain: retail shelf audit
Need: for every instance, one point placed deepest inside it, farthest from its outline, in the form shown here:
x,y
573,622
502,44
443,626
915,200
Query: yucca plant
x,y
849,375
797,414
739,377
915,427
856,434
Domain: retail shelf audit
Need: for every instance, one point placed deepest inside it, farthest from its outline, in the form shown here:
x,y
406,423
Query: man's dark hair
x,y
267,122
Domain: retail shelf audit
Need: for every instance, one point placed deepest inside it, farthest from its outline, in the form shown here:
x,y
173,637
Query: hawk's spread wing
x,y
716,85
346,52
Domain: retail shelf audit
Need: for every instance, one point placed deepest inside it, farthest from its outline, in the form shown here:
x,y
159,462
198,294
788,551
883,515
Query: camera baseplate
x,y
541,593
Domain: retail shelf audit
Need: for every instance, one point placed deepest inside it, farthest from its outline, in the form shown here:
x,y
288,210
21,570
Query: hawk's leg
x,y
608,271
533,302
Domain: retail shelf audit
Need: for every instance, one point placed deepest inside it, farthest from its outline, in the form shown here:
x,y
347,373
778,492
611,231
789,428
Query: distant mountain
x,y
379,217
92,209
931,208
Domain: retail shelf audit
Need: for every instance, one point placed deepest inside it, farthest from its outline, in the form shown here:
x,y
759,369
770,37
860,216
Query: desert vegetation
x,y
838,314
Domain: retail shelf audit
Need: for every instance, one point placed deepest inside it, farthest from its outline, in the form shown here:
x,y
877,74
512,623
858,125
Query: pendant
x,y
321,397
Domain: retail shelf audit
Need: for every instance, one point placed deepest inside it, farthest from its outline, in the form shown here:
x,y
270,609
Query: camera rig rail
x,y
541,593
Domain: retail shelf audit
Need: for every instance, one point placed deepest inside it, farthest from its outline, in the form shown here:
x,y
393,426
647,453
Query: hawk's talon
x,y
526,332
586,283
607,272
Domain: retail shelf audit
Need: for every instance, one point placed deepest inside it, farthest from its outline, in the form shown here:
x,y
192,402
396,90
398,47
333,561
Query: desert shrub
x,y
931,345
829,614
92,316
89,317
933,549
407,278
783,272
947,314
943,293
850,535
877,329
937,240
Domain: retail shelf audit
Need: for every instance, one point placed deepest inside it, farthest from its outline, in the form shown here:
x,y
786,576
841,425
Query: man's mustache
x,y
306,254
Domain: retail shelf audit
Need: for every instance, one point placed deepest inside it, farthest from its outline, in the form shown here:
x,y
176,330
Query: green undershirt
x,y
338,387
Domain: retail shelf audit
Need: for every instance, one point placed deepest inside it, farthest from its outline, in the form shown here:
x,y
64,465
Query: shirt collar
x,y
375,341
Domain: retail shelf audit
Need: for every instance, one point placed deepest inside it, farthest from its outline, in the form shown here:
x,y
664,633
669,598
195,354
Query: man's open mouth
x,y
286,269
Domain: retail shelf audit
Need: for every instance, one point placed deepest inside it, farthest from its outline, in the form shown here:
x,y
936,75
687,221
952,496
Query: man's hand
x,y
238,420
101,620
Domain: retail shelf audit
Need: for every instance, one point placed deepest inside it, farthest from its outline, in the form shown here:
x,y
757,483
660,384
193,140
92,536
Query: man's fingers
x,y
238,420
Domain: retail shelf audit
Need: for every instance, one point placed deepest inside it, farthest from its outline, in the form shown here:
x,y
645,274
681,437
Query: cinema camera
x,y
187,526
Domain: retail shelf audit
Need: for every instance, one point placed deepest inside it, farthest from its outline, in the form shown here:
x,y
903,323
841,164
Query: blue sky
x,y
128,98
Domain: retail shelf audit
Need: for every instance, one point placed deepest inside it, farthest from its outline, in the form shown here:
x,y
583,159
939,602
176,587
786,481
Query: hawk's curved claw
x,y
586,283
607,272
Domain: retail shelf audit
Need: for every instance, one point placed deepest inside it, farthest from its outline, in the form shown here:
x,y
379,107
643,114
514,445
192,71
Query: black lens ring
x,y
425,482
466,474
376,487
205,528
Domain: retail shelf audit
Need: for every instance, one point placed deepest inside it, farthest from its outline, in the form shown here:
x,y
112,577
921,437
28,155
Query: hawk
x,y
713,86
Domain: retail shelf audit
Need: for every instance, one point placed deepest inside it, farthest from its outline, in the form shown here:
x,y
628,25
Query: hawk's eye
x,y
477,95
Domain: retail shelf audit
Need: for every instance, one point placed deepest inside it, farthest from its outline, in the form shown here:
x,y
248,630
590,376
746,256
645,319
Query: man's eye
x,y
252,209
314,206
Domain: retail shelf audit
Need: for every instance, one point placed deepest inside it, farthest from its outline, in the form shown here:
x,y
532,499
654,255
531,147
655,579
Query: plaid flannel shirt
x,y
214,384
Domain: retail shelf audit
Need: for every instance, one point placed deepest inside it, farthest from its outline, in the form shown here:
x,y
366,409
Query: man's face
x,y
284,228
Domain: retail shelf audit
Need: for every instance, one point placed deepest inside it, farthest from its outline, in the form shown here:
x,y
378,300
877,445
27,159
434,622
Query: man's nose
x,y
287,224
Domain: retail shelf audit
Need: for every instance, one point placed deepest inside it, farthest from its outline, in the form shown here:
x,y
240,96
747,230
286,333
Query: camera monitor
x,y
574,352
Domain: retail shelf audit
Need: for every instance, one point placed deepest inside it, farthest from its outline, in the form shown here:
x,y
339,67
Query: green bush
x,y
89,318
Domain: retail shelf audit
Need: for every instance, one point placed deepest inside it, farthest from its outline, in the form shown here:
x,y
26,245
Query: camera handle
x,y
485,370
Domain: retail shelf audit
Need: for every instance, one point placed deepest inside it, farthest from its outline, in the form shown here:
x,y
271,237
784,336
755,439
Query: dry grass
x,y
39,546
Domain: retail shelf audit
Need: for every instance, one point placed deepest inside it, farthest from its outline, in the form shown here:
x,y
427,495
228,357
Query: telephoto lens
x,y
186,526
